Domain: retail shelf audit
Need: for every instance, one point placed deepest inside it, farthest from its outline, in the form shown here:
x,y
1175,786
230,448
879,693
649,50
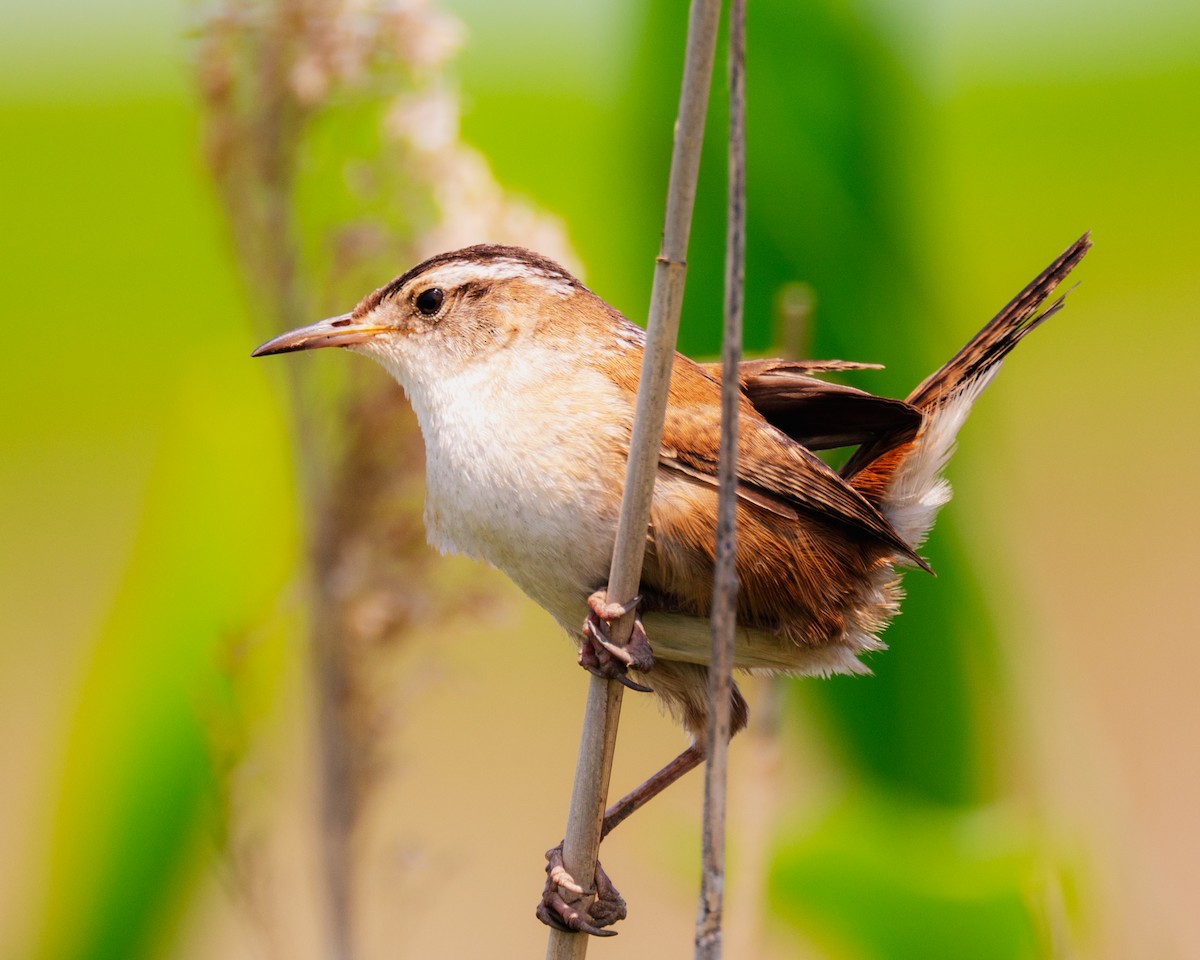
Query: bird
x,y
524,385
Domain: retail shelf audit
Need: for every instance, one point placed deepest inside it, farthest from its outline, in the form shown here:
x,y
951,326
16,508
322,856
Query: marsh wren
x,y
524,382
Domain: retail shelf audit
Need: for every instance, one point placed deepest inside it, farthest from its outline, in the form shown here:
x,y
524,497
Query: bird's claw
x,y
600,656
606,660
556,911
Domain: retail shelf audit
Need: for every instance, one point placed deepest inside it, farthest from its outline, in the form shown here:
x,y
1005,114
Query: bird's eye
x,y
429,301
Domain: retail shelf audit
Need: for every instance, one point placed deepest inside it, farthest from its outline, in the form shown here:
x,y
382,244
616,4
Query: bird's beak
x,y
343,331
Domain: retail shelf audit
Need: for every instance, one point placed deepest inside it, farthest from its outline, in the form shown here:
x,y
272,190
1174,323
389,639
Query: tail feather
x,y
1008,328
905,481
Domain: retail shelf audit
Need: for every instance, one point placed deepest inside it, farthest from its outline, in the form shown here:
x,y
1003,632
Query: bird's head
x,y
448,311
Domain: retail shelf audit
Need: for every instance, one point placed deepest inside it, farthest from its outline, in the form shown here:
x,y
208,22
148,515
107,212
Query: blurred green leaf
x,y
137,800
881,878
184,661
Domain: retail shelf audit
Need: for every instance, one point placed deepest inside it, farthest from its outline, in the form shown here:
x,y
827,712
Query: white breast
x,y
521,472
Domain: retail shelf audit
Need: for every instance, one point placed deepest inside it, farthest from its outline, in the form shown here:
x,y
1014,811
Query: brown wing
x,y
807,541
774,472
821,415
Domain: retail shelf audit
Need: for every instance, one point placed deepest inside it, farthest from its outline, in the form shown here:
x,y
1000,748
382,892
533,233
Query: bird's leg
x,y
651,787
608,907
599,655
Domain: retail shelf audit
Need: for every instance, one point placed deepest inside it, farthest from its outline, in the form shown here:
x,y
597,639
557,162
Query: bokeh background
x,y
1018,779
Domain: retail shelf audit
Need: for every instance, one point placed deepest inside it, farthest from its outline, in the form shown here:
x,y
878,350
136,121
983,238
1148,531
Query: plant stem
x,y
590,792
724,609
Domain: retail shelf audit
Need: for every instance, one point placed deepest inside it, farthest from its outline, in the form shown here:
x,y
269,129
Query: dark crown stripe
x,y
482,253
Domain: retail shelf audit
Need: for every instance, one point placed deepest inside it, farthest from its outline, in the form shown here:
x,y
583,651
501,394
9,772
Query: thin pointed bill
x,y
343,331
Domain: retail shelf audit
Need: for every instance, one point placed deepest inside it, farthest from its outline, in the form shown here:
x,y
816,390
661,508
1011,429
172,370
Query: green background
x,y
1018,773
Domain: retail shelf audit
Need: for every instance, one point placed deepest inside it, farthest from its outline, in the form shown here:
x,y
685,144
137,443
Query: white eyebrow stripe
x,y
459,272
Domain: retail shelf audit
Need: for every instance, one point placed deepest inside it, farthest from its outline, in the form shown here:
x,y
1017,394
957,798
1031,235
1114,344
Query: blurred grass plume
x,y
393,183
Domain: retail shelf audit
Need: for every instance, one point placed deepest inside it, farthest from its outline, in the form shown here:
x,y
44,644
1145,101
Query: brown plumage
x,y
524,384
809,551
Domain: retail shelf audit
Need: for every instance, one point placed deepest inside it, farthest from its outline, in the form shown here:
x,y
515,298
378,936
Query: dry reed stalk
x,y
267,70
708,941
589,794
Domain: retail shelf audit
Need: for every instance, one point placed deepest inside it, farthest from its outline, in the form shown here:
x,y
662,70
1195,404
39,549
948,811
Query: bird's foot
x,y
599,655
561,907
